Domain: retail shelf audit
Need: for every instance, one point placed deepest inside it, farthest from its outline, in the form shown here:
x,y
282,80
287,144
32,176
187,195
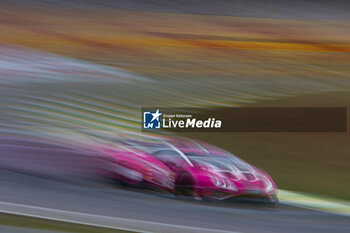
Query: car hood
x,y
229,168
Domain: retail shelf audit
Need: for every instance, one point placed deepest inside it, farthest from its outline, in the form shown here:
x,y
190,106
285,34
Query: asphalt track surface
x,y
108,200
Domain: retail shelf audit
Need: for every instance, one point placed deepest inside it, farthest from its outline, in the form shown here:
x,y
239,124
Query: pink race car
x,y
189,169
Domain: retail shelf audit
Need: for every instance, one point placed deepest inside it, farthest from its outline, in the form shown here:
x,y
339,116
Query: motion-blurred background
x,y
72,68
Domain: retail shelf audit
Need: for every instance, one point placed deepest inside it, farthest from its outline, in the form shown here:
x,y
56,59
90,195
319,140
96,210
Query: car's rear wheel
x,y
128,177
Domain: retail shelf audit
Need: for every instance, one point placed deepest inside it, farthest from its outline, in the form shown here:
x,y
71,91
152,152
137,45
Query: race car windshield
x,y
169,157
217,161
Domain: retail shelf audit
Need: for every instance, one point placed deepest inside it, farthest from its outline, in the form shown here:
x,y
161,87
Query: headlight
x,y
219,182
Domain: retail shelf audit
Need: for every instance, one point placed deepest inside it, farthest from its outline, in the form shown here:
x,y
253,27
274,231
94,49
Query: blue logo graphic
x,y
151,120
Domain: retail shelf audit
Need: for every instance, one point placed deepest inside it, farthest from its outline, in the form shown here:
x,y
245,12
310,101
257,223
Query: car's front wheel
x,y
185,188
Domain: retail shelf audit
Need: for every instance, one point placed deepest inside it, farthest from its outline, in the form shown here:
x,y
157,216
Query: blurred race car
x,y
188,168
